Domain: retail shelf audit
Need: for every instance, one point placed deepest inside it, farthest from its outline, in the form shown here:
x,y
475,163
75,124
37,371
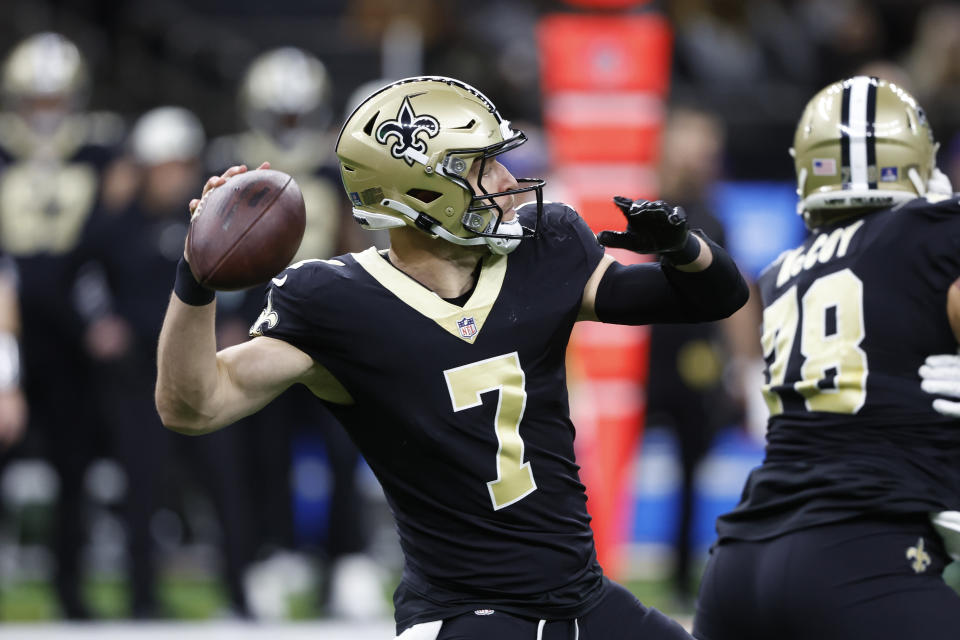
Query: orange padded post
x,y
605,81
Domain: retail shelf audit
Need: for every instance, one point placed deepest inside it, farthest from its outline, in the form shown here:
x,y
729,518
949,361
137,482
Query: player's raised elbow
x,y
734,301
180,417
719,303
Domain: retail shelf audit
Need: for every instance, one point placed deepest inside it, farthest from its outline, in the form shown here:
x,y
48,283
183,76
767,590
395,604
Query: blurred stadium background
x,y
750,63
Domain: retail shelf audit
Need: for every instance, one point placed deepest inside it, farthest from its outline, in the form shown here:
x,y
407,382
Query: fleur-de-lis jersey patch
x,y
918,557
268,317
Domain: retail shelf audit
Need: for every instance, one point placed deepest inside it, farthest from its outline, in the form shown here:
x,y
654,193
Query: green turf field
x,y
204,599
200,599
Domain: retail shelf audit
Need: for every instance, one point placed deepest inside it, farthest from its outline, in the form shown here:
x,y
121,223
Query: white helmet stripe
x,y
857,126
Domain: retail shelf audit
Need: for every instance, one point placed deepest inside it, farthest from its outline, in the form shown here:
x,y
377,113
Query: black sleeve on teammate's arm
x,y
654,293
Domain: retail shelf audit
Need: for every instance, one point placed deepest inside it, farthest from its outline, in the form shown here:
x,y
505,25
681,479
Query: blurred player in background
x,y
690,389
444,359
13,405
53,156
833,535
286,99
136,245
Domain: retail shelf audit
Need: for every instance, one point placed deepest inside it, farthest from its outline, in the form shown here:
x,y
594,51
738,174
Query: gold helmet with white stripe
x,y
861,143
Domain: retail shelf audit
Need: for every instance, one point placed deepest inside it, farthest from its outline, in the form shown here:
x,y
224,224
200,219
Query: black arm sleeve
x,y
653,293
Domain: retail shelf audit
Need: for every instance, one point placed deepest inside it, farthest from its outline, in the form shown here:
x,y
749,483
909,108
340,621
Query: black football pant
x,y
56,383
618,616
157,463
864,579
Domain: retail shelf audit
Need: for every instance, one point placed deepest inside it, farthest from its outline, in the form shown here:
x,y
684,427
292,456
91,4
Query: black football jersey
x,y
462,414
49,192
849,317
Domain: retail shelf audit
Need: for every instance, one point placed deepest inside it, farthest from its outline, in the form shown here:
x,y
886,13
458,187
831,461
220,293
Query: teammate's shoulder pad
x,y
555,215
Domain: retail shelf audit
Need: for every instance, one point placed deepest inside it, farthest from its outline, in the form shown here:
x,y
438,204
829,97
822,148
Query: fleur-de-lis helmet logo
x,y
406,130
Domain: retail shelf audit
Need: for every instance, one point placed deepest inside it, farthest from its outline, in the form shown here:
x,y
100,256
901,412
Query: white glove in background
x,y
939,184
947,524
940,376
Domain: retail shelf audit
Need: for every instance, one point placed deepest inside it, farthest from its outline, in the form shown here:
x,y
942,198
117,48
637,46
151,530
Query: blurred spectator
x,y
286,101
887,70
694,388
751,61
847,34
933,62
139,246
52,159
732,43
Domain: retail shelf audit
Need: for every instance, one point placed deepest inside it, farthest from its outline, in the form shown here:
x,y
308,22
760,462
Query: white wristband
x,y
9,361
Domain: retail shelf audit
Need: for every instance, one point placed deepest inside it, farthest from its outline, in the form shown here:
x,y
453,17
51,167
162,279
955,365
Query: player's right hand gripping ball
x,y
652,227
246,231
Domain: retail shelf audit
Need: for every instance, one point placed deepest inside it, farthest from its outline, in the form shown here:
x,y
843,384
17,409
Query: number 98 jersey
x,y
462,414
849,317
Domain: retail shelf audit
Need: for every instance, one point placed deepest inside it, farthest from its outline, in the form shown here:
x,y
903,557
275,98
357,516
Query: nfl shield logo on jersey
x,y
468,328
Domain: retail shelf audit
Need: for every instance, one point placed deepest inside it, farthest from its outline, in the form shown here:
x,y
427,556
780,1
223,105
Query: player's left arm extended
x,y
695,281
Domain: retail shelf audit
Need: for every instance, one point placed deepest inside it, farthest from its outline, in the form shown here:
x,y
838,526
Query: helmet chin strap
x,y
435,228
499,246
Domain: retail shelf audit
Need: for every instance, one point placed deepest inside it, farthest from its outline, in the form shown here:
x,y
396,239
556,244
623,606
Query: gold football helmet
x,y
861,143
45,65
286,89
406,151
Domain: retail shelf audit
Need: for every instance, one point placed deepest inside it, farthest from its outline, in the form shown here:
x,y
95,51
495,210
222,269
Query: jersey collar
x,y
464,322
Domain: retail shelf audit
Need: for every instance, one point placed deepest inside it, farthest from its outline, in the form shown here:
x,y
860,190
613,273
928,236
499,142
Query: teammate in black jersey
x,y
55,157
833,535
444,359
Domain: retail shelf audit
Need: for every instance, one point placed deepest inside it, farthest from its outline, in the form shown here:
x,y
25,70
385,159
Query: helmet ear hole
x,y
424,195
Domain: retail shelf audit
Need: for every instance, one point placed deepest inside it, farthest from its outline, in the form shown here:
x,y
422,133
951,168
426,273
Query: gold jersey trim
x,y
455,320
325,386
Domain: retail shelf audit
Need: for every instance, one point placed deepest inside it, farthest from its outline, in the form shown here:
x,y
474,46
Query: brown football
x,y
246,231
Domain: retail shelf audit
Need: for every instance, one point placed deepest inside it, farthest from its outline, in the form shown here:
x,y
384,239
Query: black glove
x,y
652,227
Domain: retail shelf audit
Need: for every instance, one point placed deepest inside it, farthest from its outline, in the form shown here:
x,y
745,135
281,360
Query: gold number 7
x,y
500,373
